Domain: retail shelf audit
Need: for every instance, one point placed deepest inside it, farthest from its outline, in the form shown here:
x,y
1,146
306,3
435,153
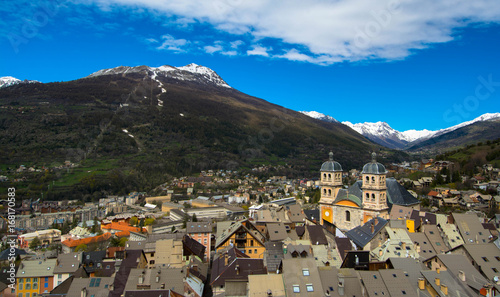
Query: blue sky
x,y
415,64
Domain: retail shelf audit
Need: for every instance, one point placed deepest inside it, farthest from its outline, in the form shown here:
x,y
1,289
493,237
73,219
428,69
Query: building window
x,y
309,288
27,294
251,242
35,286
28,280
296,289
255,251
46,285
59,275
250,251
305,272
28,287
367,196
373,197
20,287
485,259
347,216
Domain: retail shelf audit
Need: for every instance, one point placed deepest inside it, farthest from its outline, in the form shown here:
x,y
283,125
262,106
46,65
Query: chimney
x,y
141,279
375,221
226,259
438,270
341,284
444,289
84,292
421,283
437,281
269,293
403,245
373,228
461,275
237,269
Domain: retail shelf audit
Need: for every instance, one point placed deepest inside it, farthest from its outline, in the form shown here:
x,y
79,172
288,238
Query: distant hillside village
x,y
409,229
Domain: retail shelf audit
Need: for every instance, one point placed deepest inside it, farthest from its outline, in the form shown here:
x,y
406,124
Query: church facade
x,y
371,196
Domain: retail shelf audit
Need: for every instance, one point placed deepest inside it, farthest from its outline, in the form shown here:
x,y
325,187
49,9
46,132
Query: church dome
x,y
331,165
374,167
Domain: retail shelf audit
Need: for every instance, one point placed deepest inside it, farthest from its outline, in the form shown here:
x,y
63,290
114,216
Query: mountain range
x,y
383,134
167,120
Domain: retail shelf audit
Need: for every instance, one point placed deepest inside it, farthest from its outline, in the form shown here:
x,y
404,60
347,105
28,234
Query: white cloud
x,y
235,44
259,51
172,44
230,53
210,49
331,31
151,40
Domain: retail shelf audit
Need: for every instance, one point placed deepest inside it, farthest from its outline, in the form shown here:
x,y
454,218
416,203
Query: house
x,y
46,237
368,236
132,259
241,234
273,256
470,228
160,278
201,232
266,285
486,259
70,244
233,266
191,247
35,277
340,282
94,286
459,266
92,261
169,252
66,265
301,277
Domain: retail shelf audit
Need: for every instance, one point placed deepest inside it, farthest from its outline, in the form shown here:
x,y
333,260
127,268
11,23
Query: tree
x,y
81,248
94,226
194,218
35,243
149,221
133,221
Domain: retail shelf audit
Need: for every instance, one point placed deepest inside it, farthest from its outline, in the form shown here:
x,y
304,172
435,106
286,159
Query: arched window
x,y
35,286
329,192
367,178
373,197
347,216
28,286
324,175
324,191
367,196
329,176
373,179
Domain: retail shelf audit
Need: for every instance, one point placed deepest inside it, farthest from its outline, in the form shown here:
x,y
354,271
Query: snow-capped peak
x,y
194,73
8,81
319,116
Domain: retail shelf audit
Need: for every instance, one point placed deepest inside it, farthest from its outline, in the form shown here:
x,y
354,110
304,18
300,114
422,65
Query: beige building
x,y
370,197
169,252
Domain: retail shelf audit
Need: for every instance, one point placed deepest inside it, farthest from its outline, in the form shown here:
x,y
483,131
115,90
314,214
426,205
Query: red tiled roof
x,y
122,227
76,242
433,193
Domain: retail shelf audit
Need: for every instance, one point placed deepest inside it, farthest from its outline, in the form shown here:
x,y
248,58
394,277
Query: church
x,y
371,196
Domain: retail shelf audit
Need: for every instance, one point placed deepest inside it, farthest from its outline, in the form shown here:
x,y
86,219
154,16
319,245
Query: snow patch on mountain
x,y
319,116
8,81
191,72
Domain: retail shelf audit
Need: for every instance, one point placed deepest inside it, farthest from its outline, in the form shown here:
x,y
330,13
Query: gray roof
x,y
95,286
199,227
277,231
412,269
457,263
455,289
396,194
362,235
374,168
68,263
36,268
273,255
331,165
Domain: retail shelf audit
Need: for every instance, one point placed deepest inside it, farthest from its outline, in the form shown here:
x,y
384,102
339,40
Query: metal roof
x,y
331,165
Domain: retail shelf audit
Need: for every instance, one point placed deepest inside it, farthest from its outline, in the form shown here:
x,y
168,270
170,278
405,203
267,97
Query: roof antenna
x,y
374,157
331,155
